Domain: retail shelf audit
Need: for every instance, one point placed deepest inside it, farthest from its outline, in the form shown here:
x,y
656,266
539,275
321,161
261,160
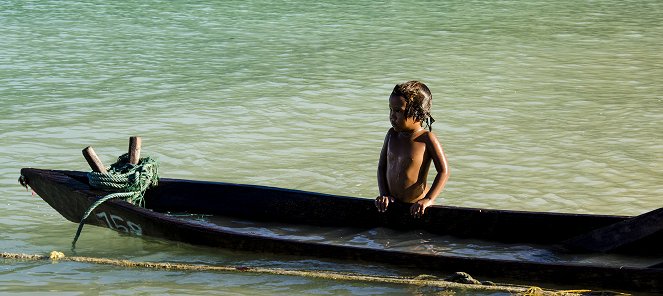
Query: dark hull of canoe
x,y
68,193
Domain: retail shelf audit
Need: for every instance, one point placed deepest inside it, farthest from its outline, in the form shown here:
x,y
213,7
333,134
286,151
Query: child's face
x,y
397,114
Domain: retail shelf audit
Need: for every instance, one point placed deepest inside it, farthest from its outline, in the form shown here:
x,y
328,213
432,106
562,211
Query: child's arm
x,y
434,149
382,201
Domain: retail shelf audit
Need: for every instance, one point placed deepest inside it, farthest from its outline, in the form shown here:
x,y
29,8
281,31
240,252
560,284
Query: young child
x,y
408,150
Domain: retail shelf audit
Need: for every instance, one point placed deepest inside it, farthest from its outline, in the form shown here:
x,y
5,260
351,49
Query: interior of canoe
x,y
269,204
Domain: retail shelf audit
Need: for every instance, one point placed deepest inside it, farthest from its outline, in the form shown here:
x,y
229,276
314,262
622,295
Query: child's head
x,y
418,99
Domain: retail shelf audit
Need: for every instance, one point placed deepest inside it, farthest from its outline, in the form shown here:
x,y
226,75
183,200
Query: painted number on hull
x,y
120,224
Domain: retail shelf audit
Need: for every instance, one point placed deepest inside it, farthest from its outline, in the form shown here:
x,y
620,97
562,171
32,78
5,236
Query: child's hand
x,y
382,202
418,208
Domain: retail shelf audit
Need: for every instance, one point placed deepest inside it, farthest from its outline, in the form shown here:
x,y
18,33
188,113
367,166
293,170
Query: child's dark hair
x,y
418,100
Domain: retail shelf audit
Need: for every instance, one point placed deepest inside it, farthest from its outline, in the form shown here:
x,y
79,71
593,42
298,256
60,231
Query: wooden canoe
x,y
68,192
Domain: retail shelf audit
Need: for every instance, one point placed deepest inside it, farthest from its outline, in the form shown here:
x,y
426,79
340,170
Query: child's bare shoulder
x,y
429,137
390,132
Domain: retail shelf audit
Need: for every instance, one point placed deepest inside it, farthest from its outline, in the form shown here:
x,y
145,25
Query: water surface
x,y
545,106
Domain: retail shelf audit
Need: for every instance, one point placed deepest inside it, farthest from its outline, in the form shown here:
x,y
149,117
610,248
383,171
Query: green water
x,y
540,105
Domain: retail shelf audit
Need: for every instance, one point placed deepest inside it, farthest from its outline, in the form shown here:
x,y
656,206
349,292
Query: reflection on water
x,y
411,241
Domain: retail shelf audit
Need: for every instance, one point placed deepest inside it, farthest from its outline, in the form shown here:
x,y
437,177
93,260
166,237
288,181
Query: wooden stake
x,y
134,149
93,160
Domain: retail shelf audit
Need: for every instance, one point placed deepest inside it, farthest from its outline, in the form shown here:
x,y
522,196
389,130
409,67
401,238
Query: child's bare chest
x,y
405,149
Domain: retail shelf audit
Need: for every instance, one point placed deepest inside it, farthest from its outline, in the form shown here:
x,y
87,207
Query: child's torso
x,y
407,166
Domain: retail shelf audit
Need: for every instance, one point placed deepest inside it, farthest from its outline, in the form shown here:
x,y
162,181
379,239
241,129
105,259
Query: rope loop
x,y
125,181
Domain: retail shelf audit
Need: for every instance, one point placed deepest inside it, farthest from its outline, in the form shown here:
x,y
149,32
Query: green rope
x,y
129,183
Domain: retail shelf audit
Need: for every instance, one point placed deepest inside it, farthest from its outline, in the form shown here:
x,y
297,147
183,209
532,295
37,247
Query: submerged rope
x,y
127,180
422,280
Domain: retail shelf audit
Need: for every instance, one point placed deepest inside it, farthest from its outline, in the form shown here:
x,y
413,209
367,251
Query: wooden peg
x,y
93,160
134,149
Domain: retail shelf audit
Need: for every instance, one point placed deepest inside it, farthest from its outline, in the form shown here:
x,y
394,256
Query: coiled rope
x,y
422,280
127,181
